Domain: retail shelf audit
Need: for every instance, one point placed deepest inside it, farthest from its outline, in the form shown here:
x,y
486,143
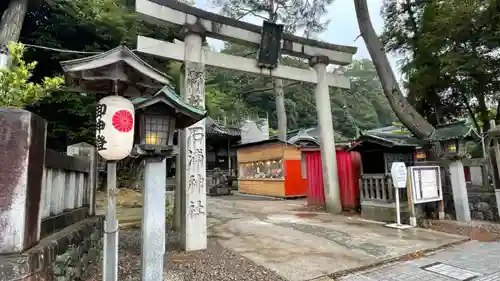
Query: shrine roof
x,y
262,142
215,128
392,139
455,130
399,136
313,132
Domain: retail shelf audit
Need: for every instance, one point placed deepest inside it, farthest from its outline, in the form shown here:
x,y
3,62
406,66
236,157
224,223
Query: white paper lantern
x,y
114,127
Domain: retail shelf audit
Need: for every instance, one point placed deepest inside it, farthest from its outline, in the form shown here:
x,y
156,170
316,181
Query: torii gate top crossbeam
x,y
224,28
176,51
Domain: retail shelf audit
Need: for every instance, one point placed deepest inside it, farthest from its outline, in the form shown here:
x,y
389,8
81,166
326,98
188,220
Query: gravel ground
x,y
476,230
215,263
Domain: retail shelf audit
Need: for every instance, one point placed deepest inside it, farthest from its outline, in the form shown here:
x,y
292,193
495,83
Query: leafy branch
x,y
16,90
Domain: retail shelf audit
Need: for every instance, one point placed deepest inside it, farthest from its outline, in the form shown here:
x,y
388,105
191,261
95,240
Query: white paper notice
x,y
428,184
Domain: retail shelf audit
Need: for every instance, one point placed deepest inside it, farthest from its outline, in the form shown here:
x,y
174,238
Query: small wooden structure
x,y
272,168
379,148
220,151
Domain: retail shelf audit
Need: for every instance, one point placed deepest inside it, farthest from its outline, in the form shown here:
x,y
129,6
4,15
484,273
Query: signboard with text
x,y
426,184
398,174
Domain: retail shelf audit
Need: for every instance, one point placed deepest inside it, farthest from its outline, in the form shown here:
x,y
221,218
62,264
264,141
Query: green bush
x,y
16,89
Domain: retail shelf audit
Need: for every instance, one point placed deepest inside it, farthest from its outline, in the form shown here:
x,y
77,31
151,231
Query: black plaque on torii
x,y
270,45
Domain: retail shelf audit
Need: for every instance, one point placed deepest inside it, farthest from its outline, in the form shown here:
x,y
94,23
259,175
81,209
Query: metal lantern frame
x,y
155,129
168,106
453,148
420,154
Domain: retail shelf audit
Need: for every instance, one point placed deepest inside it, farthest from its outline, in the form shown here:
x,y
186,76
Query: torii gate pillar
x,y
192,146
328,154
199,23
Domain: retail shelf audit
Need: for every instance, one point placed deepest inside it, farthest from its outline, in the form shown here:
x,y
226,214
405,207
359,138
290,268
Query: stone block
x,y
219,190
22,155
384,212
483,205
55,257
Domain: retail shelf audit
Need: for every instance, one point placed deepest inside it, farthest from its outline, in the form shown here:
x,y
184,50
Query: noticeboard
x,y
426,184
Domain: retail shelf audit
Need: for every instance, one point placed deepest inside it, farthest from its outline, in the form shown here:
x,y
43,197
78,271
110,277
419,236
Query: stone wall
x,y
68,255
483,205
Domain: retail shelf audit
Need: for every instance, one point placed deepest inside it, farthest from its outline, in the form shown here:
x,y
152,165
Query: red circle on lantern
x,y
123,121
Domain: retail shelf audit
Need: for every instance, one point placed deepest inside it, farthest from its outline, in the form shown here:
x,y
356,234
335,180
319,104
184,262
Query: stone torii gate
x,y
196,25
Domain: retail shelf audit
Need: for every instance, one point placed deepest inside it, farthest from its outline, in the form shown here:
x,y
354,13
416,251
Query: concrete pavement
x,y
477,261
300,245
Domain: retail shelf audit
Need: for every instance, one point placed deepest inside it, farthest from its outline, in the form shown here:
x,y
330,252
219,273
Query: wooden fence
x,y
68,186
378,188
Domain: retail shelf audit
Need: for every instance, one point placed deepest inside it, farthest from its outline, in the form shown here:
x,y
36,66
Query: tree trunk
x,y
497,116
484,114
401,107
12,21
280,109
278,89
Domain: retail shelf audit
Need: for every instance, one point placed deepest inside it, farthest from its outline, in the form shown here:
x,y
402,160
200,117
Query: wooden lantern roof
x,y
117,71
186,114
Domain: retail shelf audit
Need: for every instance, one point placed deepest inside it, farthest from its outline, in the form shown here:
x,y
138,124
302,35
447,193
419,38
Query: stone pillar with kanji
x,y
192,146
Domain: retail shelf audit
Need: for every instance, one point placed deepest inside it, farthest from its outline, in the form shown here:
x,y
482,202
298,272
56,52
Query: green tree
x,y
452,64
365,99
296,15
16,89
91,26
405,112
235,96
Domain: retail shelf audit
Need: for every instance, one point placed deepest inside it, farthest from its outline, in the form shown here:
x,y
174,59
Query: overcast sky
x,y
343,28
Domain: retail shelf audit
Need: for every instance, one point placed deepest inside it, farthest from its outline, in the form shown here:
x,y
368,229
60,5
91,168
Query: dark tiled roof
x,y
455,130
399,136
314,133
214,128
392,137
262,142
